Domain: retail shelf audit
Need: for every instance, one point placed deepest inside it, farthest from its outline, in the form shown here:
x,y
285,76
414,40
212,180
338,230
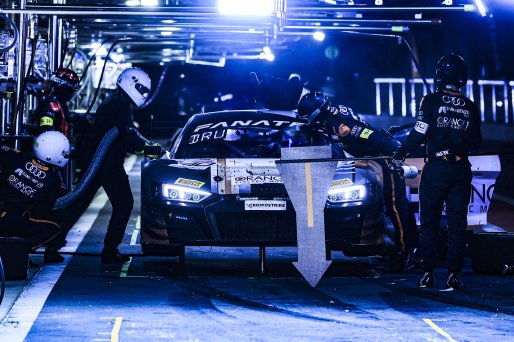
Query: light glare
x,y
481,7
246,7
319,36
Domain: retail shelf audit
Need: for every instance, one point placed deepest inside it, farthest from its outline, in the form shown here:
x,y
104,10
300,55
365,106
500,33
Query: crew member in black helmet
x,y
52,112
361,139
449,122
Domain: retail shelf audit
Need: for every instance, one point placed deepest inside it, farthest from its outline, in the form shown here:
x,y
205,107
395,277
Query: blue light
x,y
246,7
481,7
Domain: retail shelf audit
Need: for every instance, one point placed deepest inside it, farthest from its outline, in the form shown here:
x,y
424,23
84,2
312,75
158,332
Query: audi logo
x,y
456,101
36,171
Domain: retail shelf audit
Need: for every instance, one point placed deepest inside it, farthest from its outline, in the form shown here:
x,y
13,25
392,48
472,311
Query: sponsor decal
x,y
442,153
341,182
258,179
189,182
421,127
54,106
46,121
247,123
453,123
445,109
265,205
21,186
356,130
343,130
454,101
366,133
34,170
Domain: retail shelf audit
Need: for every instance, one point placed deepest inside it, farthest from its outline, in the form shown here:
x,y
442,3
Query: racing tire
x,y
491,253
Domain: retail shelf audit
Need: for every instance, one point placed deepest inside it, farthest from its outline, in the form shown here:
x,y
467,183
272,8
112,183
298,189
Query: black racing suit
x,y
51,115
450,124
28,191
115,111
361,140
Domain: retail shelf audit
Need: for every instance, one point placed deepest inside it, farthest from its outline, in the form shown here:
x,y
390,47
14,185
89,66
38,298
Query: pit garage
x,y
243,226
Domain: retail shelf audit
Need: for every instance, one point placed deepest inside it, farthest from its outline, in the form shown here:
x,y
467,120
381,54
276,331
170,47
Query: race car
x,y
218,185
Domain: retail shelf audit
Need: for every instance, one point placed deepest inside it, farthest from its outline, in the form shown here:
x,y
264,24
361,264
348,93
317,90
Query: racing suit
x,y
51,115
115,111
28,191
360,140
450,124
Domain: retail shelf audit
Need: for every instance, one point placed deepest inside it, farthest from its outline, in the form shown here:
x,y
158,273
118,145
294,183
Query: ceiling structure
x,y
194,31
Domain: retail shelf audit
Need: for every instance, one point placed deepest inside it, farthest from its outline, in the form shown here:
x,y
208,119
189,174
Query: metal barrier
x,y
493,97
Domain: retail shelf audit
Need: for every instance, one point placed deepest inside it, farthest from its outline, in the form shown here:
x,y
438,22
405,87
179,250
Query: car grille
x,y
257,226
269,189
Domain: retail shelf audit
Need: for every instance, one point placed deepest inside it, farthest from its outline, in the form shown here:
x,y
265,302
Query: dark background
x,y
486,43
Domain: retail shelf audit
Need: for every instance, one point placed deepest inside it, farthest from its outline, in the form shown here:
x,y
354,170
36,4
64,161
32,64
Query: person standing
x,y
133,87
449,122
52,112
363,140
29,188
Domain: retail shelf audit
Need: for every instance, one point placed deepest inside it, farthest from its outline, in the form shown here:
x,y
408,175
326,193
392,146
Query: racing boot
x,y
111,255
52,256
452,282
427,280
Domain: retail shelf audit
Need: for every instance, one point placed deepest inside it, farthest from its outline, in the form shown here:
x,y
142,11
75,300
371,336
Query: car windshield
x,y
247,142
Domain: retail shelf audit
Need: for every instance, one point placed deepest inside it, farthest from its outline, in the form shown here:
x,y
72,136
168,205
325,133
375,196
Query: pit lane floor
x,y
220,295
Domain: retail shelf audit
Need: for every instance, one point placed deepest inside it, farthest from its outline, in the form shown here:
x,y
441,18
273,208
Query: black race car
x,y
218,185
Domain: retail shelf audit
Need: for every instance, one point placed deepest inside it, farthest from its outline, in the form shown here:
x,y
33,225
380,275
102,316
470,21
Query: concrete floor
x,y
220,295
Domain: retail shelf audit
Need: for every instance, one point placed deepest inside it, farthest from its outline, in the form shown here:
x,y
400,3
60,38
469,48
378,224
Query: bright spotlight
x,y
149,3
132,3
481,7
319,36
246,7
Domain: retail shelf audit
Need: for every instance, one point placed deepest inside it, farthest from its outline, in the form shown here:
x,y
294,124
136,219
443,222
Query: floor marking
x,y
124,268
135,232
116,329
308,184
439,330
19,320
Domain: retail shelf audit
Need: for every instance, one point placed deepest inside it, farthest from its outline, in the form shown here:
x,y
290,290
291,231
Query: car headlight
x,y
347,194
183,194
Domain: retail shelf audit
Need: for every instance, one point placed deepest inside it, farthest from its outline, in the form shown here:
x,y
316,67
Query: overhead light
x,y
117,57
267,54
95,45
379,2
132,3
246,7
150,3
481,7
167,52
166,33
166,60
319,36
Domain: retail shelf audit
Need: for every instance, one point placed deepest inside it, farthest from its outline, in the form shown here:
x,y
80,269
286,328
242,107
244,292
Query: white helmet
x,y
52,147
136,84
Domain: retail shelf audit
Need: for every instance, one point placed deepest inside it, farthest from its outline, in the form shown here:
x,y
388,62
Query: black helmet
x,y
313,106
65,77
451,71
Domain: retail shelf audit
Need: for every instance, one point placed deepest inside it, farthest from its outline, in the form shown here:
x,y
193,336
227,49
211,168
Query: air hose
x,y
91,171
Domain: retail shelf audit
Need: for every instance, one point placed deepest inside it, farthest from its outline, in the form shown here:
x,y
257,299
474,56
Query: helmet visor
x,y
141,89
